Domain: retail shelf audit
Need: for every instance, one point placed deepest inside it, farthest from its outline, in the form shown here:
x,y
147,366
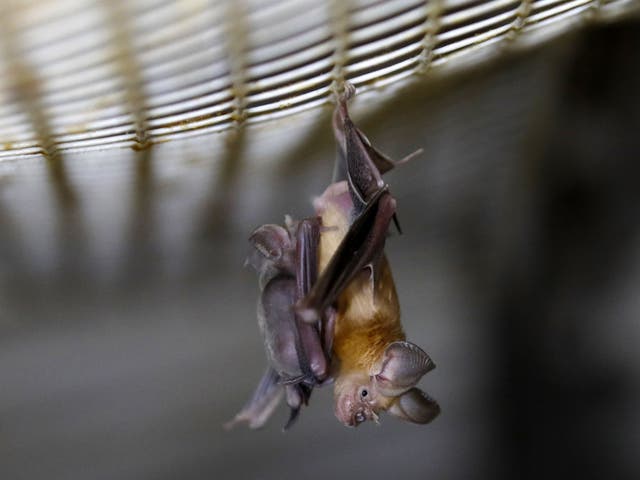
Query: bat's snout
x,y
351,411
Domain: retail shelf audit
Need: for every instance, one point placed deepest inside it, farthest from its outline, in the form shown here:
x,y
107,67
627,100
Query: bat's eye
x,y
364,392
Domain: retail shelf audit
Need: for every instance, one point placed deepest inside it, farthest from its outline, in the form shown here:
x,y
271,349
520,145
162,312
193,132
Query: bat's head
x,y
390,386
356,399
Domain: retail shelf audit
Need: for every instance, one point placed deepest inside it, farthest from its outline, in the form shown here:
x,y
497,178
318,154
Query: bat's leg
x,y
358,161
262,403
359,247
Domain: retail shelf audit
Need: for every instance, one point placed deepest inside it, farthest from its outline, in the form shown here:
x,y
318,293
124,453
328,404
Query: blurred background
x,y
138,152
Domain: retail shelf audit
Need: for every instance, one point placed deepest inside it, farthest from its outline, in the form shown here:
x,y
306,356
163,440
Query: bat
x,y
328,308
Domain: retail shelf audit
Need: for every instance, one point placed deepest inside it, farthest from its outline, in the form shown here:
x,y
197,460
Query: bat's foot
x,y
347,93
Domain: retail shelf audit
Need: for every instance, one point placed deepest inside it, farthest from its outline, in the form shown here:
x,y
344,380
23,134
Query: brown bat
x,y
328,309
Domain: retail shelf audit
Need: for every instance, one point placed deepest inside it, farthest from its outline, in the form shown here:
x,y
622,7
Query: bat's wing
x,y
361,246
362,166
310,346
297,395
310,342
311,354
262,403
357,161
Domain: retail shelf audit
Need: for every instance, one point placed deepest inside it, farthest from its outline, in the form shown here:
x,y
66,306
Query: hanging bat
x,y
328,309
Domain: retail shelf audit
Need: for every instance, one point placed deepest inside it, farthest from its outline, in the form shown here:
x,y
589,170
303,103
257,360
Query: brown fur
x,y
367,320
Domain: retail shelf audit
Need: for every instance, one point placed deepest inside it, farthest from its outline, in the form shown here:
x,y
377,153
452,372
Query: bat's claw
x,y
349,91
307,315
409,157
293,416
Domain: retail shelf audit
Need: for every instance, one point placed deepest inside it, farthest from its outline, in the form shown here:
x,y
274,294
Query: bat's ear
x,y
271,241
403,365
272,246
415,406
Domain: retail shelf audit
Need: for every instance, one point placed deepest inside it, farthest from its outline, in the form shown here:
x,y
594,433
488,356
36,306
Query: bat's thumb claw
x,y
409,157
306,314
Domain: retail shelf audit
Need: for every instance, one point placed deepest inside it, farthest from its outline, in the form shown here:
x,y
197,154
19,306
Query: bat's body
x,y
368,312
328,307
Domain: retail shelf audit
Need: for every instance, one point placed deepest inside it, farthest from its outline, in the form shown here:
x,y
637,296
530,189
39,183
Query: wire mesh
x,y
79,75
